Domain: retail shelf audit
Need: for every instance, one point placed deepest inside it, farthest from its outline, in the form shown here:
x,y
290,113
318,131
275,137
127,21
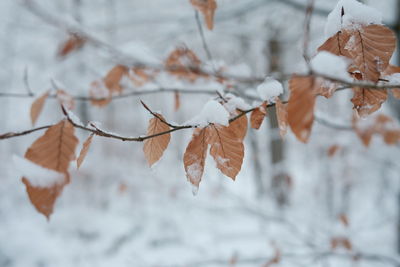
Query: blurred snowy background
x,y
289,199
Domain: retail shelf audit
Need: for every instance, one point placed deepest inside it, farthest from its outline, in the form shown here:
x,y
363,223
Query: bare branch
x,y
349,85
26,82
15,134
121,96
203,39
158,116
119,56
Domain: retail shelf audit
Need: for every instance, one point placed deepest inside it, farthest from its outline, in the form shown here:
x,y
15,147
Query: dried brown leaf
x,y
326,88
336,44
226,148
367,101
257,116
74,43
343,242
207,8
239,126
113,78
37,106
281,114
381,125
84,151
54,150
332,150
275,260
371,48
43,198
300,107
183,63
139,76
177,99
344,219
195,156
154,147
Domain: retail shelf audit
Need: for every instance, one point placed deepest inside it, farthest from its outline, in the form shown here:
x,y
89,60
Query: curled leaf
x,y
177,99
114,77
74,43
84,151
37,106
301,106
257,116
195,156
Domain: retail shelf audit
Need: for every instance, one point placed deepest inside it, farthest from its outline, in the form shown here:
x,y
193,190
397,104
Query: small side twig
x,y
26,82
156,115
203,38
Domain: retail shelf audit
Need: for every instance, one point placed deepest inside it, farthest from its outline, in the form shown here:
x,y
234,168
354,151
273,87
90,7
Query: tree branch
x,y
15,134
203,38
121,96
119,56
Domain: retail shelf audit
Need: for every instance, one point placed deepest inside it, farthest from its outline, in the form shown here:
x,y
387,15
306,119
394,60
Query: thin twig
x,y
26,82
203,39
119,56
156,115
15,134
121,96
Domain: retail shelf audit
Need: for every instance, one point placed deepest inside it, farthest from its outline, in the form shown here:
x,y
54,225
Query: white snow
x,y
234,103
74,118
195,172
36,174
212,112
355,14
269,89
333,66
393,79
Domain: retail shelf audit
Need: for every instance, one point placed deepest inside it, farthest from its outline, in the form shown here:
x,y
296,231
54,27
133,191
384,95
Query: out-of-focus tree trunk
x,y
280,180
83,105
252,135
